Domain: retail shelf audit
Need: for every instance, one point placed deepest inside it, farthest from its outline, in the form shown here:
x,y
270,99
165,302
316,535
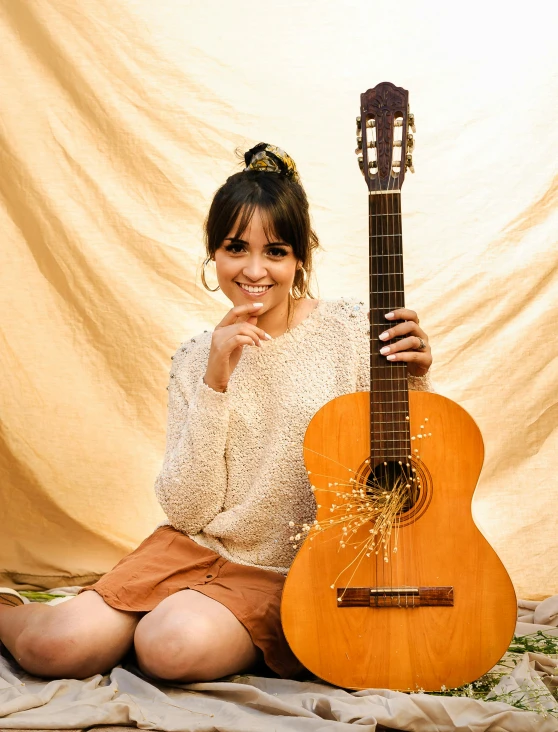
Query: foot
x,y
12,598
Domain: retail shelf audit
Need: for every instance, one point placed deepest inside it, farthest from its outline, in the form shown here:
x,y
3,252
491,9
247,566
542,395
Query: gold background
x,y
120,119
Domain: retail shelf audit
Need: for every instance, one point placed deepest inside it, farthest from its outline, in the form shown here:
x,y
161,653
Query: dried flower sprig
x,y
377,503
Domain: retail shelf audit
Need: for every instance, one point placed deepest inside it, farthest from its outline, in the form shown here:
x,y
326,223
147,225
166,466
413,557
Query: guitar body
x,y
399,645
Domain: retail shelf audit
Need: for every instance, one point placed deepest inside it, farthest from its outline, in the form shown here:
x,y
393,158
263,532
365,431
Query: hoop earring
x,y
204,282
304,288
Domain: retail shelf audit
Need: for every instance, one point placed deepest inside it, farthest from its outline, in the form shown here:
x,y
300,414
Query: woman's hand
x,y
413,348
236,330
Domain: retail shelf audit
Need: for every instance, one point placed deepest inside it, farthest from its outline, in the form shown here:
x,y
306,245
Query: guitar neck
x,y
389,397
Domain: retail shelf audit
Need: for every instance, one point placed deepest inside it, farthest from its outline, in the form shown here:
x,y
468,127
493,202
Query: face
x,y
252,268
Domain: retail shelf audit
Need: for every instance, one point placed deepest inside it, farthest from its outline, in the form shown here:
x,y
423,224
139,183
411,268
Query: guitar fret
x,y
390,440
402,390
392,436
395,401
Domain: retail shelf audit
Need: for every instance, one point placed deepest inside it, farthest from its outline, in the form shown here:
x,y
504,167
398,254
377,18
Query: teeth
x,y
248,288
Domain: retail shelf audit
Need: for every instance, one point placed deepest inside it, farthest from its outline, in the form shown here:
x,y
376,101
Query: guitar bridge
x,y
404,597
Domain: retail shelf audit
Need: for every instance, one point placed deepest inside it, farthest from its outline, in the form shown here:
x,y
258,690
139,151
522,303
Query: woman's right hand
x,y
237,329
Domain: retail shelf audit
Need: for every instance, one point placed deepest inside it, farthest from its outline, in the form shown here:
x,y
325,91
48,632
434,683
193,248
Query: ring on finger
x,y
422,346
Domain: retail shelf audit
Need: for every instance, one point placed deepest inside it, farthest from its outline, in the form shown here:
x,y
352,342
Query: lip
x,y
254,295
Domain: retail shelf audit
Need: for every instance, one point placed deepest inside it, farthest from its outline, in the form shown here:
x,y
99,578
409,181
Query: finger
x,y
403,314
412,343
422,358
240,313
251,330
240,340
401,329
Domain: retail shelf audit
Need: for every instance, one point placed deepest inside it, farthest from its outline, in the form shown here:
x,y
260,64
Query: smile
x,y
254,289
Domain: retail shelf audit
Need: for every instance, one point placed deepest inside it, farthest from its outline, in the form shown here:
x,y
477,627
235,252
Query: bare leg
x,y
74,639
190,637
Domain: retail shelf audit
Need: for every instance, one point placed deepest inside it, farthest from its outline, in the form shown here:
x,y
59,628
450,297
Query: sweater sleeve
x,y
415,383
192,482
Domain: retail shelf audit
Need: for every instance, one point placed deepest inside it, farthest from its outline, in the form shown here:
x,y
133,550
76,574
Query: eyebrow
x,y
269,243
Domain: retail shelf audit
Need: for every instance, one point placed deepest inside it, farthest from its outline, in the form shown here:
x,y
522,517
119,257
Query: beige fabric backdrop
x,y
119,119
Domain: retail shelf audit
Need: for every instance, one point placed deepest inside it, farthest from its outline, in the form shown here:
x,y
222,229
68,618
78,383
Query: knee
x,y
59,653
172,649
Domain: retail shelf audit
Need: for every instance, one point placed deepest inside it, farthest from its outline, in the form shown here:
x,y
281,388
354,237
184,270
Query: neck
x,y
389,398
278,319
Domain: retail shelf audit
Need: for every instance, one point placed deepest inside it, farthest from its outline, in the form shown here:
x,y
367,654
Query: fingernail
x,y
257,304
384,350
390,315
269,338
383,335
391,358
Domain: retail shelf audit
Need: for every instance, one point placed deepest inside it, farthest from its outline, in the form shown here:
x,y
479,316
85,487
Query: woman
x,y
199,598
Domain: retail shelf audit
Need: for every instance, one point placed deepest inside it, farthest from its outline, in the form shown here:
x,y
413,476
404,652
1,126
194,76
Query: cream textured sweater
x,y
233,474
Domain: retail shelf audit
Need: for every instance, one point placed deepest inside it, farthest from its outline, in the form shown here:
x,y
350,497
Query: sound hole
x,y
409,487
394,481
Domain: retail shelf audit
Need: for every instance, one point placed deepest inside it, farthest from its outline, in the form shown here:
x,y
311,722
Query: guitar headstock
x,y
384,140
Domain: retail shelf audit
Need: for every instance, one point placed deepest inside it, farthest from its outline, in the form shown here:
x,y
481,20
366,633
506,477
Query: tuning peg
x,y
358,123
361,163
359,146
410,142
411,121
371,123
409,163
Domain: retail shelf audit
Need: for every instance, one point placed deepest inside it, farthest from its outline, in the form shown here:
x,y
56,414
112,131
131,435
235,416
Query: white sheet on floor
x,y
254,704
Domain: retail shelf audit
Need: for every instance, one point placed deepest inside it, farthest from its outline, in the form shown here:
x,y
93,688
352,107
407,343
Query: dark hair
x,y
284,207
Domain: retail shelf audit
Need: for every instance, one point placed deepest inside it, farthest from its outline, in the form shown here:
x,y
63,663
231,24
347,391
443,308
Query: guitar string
x,y
383,207
373,288
375,229
387,412
404,386
392,220
395,295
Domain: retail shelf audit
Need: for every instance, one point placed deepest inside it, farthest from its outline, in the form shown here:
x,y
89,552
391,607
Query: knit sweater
x,y
233,474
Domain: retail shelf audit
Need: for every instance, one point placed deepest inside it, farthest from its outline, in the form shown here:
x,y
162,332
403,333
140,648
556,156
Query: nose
x,y
255,269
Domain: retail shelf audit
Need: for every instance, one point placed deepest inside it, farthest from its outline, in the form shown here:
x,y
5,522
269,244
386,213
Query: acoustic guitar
x,y
394,586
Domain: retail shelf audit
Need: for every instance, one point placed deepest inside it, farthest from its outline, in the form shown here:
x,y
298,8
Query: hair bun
x,y
271,159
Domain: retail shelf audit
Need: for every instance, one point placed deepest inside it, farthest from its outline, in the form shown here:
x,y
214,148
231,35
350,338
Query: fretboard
x,y
389,397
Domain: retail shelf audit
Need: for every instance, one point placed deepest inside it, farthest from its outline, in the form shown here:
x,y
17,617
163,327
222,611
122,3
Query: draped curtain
x,y
119,120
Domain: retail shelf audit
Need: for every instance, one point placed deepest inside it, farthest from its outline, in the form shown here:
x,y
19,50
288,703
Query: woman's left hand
x,y
413,346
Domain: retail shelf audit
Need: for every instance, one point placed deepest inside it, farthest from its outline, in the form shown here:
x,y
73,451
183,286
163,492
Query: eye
x,y
278,252
234,247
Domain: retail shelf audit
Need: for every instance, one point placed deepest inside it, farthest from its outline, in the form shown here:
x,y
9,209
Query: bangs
x,y
271,228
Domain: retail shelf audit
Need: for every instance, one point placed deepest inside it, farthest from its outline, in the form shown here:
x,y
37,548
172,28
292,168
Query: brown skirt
x,y
169,561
